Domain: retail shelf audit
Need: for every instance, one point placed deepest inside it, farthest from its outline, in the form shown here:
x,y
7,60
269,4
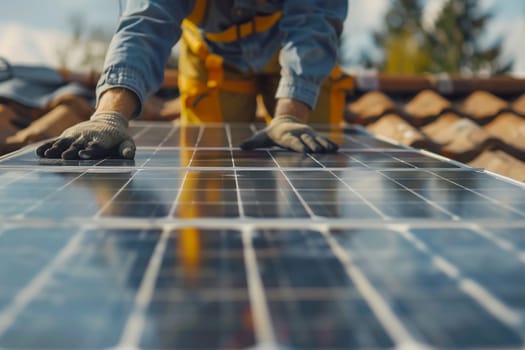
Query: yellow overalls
x,y
211,92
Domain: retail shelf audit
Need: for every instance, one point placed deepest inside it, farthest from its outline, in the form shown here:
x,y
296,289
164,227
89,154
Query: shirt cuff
x,y
123,77
298,89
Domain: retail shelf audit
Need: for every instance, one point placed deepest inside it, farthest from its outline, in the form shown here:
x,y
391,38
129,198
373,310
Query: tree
x,y
402,41
455,41
452,45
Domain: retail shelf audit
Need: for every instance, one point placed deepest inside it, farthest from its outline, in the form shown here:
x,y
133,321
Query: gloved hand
x,y
105,134
289,132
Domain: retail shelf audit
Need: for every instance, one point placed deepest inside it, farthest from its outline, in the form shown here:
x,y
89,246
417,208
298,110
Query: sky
x,y
33,31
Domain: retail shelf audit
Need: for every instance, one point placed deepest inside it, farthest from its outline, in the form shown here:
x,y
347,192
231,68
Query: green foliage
x,y
455,45
452,45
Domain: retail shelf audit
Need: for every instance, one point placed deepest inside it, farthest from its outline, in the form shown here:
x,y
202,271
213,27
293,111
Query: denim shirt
x,y
307,37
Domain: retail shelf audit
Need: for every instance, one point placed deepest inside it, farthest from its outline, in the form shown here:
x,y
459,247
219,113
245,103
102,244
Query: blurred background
x,y
481,37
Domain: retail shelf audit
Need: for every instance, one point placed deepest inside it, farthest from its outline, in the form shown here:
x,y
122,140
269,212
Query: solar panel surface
x,y
197,244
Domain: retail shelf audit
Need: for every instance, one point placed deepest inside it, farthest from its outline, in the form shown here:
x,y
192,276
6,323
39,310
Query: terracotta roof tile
x,y
519,105
426,106
468,119
6,126
66,113
501,163
440,130
395,128
510,129
370,107
462,139
483,106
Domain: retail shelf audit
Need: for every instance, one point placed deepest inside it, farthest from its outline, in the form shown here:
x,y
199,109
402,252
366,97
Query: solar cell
x,y
197,244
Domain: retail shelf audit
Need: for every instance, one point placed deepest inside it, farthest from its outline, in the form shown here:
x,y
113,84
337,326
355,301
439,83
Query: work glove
x,y
104,135
289,132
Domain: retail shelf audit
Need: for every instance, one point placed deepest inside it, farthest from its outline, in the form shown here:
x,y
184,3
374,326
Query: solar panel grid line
x,y
367,165
264,330
497,202
312,294
440,263
177,202
46,198
477,292
367,202
493,305
443,159
134,326
124,222
498,241
105,206
388,319
431,203
239,203
29,292
170,134
297,223
303,202
410,167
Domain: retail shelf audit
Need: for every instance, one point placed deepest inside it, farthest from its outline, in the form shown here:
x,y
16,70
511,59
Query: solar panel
x,y
197,244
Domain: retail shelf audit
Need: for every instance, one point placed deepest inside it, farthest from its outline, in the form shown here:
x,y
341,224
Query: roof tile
x,y
473,119
462,139
6,126
483,106
395,128
370,107
510,129
427,105
519,105
502,163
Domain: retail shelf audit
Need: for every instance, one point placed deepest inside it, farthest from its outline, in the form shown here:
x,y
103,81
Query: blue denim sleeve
x,y
138,52
311,31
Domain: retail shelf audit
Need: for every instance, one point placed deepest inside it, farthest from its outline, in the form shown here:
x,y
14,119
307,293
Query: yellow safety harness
x,y
192,89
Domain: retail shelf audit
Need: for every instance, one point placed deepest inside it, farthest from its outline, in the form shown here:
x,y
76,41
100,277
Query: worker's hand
x,y
291,133
105,134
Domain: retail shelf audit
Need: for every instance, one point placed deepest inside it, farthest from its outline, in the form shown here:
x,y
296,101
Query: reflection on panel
x,y
403,268
197,244
201,298
83,299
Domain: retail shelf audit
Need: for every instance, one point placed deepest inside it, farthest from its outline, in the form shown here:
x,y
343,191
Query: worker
x,y
231,50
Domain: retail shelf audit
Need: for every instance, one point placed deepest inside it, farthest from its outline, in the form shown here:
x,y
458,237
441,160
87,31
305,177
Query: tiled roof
x,y
481,127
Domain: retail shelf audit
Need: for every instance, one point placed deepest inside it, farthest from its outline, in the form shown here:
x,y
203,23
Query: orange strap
x,y
214,65
237,32
341,84
198,12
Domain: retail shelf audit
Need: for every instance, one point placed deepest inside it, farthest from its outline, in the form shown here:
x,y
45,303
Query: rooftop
x,y
480,122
